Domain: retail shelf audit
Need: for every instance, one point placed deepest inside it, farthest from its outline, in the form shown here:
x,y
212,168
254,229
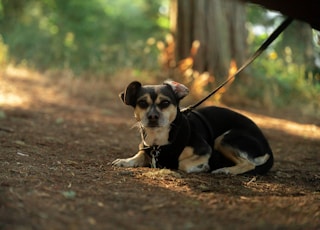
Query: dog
x,y
209,139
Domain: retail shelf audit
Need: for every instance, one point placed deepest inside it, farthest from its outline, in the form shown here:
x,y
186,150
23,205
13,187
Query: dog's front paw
x,y
128,163
138,160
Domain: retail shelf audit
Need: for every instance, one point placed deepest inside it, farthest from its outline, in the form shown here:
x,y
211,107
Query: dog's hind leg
x,y
243,162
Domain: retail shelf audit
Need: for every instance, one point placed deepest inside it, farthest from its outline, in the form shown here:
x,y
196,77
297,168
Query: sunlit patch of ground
x,y
291,127
23,88
10,93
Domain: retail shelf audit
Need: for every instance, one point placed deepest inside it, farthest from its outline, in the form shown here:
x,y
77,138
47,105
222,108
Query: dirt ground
x,y
58,137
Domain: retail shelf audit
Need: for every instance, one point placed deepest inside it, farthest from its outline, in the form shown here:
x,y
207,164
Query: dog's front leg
x,y
138,160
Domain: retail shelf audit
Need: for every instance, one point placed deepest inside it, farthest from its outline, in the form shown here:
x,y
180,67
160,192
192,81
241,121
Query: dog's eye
x,y
143,104
164,104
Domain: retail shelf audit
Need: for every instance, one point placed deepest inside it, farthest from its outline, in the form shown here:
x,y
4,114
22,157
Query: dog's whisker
x,y
136,125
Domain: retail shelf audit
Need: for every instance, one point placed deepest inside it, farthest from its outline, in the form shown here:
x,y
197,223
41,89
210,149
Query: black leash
x,y
259,51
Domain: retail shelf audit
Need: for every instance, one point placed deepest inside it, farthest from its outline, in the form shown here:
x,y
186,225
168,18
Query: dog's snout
x,y
153,116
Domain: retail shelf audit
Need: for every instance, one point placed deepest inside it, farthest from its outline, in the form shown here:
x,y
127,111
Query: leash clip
x,y
155,152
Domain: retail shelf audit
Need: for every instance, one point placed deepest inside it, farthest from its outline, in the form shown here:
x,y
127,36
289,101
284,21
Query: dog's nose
x,y
153,117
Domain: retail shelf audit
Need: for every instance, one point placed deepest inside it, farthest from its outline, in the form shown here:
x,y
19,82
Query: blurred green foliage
x,y
276,83
97,36
286,74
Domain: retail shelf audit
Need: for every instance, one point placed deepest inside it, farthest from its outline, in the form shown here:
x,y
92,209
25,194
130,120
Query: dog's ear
x,y
179,89
129,96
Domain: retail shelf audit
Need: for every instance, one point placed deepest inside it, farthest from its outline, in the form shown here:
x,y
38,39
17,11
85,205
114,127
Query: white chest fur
x,y
156,136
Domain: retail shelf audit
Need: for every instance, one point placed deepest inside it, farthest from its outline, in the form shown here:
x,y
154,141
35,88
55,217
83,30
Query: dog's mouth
x,y
150,123
153,124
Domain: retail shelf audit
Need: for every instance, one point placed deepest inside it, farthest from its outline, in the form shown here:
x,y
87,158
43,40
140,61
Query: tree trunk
x,y
218,25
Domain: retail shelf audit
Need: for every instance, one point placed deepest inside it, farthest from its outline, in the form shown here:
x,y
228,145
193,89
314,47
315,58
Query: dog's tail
x,y
260,160
263,163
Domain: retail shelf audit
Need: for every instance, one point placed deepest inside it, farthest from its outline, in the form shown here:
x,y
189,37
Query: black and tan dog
x,y
209,139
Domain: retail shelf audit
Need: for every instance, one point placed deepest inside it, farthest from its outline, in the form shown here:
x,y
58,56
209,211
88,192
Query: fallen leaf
x,y
59,120
18,142
69,194
22,154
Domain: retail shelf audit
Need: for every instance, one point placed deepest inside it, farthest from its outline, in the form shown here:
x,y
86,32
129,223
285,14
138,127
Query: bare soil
x,y
59,135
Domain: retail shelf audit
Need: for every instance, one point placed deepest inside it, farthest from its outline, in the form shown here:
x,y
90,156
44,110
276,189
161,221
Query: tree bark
x,y
218,25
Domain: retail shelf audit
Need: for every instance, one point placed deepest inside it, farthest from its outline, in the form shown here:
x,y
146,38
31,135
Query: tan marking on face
x,y
170,112
191,162
139,113
161,97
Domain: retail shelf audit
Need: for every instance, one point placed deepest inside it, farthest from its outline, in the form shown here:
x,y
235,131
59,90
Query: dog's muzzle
x,y
153,117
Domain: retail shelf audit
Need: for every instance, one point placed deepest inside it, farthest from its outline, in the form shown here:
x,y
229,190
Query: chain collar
x,y
154,153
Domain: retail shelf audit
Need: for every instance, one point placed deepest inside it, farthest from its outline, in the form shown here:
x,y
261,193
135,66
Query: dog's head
x,y
154,105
